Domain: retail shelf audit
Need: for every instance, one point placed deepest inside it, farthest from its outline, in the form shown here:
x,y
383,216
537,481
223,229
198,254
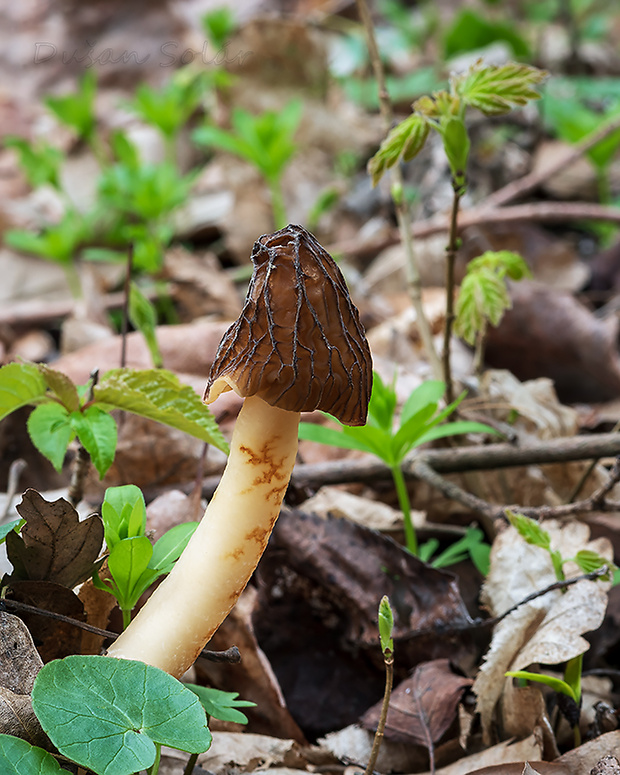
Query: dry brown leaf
x,y
17,718
19,660
608,765
523,768
585,757
502,754
423,706
547,630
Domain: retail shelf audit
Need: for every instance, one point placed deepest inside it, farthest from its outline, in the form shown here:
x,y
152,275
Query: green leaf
x,y
20,384
456,145
403,142
219,24
572,675
128,562
20,758
77,110
429,392
497,89
312,432
589,561
555,683
483,297
14,524
382,404
386,625
97,433
455,429
40,163
470,31
107,714
124,513
62,386
158,395
143,316
530,530
410,432
221,705
170,546
50,429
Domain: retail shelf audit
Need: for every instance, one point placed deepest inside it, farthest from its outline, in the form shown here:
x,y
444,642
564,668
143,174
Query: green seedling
x,y
472,31
386,630
39,161
221,705
587,561
484,298
494,91
133,562
420,421
471,546
143,317
266,141
218,26
77,111
63,411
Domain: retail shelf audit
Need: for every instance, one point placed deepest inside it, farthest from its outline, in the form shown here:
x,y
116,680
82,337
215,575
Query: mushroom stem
x,y
189,605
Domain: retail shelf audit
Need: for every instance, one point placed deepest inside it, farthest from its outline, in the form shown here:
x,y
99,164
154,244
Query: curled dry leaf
x,y
547,630
17,718
19,660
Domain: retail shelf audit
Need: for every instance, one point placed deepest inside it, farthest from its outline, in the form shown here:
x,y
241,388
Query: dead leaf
x,y
98,605
523,768
422,706
608,765
19,660
54,639
547,630
17,718
587,756
523,710
548,333
54,545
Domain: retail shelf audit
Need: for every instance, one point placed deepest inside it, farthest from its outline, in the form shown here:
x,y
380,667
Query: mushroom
x,y
298,345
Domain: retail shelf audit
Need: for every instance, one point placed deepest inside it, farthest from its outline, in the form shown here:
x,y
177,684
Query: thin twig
x,y
191,763
81,464
451,252
388,658
532,180
400,204
125,308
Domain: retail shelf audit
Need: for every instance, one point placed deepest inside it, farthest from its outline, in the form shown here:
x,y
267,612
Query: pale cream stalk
x,y
189,605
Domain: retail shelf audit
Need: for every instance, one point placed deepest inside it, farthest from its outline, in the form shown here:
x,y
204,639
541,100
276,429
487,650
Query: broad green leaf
x,y
50,429
170,546
219,24
483,297
128,562
497,89
107,714
456,145
382,404
333,438
386,624
40,162
143,316
124,513
454,429
97,433
18,757
376,440
77,110
410,432
158,395
471,31
572,675
589,561
62,386
557,684
14,524
20,384
404,142
429,392
530,530
221,705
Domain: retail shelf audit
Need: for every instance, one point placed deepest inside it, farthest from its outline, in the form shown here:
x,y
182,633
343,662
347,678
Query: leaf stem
x,y
411,540
277,203
451,251
388,658
191,763
126,617
154,768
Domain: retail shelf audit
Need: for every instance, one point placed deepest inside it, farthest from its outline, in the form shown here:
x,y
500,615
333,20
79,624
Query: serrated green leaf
x,y
589,561
483,297
170,546
50,429
404,141
20,384
158,395
18,757
497,89
97,433
107,714
221,705
530,530
456,145
14,524
62,386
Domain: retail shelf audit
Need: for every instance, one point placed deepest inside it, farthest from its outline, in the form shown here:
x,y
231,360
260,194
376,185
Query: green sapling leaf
x,y
20,758
403,142
170,546
219,25
107,714
97,433
143,316
497,89
124,513
530,530
14,524
62,386
50,430
557,684
20,384
129,562
77,110
40,163
158,395
386,625
456,145
589,561
221,705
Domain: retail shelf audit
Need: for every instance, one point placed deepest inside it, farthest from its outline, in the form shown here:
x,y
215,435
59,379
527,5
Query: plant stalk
x,y
388,658
451,251
411,539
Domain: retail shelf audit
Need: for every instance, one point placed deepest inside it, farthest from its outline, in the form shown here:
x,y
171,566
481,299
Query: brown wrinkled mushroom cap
x,y
298,343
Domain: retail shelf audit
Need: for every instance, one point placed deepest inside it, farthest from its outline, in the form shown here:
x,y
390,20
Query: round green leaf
x,y
19,757
107,714
97,433
51,432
